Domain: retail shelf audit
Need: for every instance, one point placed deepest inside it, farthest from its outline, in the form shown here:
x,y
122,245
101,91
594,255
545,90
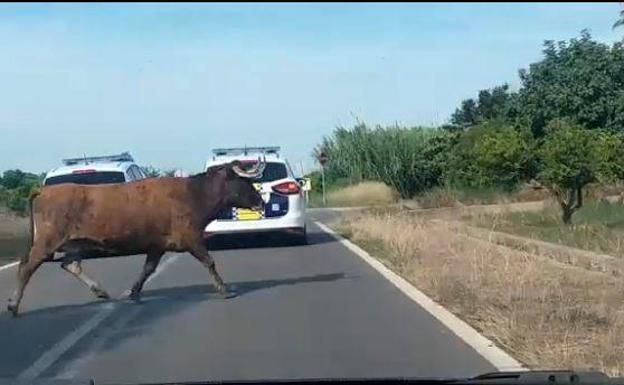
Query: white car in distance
x,y
96,170
284,210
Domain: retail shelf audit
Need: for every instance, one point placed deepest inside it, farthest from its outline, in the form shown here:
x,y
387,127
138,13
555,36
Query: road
x,y
302,312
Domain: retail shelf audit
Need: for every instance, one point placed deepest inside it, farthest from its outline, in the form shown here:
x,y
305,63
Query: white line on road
x,y
73,368
486,348
48,358
9,265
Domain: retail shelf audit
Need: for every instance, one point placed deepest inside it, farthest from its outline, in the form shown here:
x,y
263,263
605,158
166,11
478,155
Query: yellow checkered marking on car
x,y
248,215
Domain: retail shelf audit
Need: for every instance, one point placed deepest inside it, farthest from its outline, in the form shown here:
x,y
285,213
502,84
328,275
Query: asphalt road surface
x,y
302,312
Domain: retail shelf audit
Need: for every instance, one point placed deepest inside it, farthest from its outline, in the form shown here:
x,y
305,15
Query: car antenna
x,y
85,158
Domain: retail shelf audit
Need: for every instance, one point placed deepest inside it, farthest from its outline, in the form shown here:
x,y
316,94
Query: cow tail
x,y
31,198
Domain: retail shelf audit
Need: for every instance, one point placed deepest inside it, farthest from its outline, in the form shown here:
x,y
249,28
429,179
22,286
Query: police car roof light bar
x,y
246,150
123,157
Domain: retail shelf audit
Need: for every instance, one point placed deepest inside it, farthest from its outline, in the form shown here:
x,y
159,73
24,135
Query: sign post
x,y
306,191
322,159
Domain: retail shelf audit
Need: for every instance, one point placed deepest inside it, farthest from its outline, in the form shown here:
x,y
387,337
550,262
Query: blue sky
x,y
170,82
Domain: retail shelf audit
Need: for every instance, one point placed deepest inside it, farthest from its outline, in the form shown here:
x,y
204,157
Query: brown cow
x,y
150,217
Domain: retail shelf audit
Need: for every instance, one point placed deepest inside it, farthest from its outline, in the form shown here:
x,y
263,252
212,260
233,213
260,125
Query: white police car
x,y
96,170
284,209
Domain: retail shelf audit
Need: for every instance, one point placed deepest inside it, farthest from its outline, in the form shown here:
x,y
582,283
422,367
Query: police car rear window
x,y
272,172
99,177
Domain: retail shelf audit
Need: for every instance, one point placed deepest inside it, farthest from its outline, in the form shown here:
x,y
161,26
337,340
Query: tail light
x,y
287,188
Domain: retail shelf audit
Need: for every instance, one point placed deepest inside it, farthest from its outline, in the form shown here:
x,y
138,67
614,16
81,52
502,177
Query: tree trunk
x,y
575,202
579,199
567,215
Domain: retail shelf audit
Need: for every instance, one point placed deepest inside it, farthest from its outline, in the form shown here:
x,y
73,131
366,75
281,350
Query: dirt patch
x,y
545,313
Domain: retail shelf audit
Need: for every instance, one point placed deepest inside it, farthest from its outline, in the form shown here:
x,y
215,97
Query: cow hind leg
x,y
74,267
26,269
149,267
200,252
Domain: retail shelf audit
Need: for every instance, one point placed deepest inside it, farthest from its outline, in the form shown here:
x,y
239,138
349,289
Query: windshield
x,y
273,171
442,193
99,177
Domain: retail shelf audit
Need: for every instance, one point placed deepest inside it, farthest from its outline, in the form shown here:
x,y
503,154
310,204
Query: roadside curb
x,y
486,348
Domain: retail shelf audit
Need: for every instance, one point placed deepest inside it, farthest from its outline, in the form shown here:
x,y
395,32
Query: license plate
x,y
248,215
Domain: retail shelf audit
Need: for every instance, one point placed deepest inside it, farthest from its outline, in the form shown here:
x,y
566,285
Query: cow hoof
x,y
135,296
99,293
129,294
227,294
12,309
125,294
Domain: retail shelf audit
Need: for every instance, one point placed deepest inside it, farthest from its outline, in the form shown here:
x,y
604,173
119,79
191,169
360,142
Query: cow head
x,y
239,188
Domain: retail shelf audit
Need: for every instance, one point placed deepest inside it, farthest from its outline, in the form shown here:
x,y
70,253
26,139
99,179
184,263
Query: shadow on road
x,y
32,320
241,288
24,339
264,240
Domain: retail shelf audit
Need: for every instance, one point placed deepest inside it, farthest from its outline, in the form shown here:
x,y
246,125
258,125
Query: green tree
x,y
491,154
504,157
496,103
571,157
13,179
582,80
466,115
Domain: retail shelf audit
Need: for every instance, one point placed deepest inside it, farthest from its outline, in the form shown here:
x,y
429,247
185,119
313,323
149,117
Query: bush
x,y
491,154
15,188
17,202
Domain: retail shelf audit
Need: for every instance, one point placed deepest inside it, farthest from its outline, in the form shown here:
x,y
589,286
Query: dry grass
x,y
544,313
362,194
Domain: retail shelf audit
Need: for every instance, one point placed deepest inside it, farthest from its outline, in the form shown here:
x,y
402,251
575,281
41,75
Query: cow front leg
x,y
200,252
26,268
74,267
149,267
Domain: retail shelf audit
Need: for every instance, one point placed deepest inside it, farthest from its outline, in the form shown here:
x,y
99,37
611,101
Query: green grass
x,y
446,196
598,227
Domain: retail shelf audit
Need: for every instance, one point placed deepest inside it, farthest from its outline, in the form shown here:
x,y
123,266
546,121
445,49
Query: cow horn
x,y
253,173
